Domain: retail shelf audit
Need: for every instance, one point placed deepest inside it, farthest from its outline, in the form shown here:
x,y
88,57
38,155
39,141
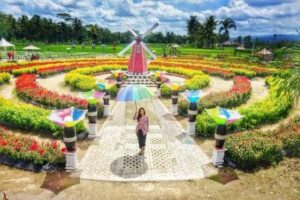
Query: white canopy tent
x,y
31,48
5,44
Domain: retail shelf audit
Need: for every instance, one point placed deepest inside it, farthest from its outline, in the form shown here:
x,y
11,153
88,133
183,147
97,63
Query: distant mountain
x,y
279,37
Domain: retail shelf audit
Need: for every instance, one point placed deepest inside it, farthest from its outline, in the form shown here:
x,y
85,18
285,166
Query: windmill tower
x,y
137,72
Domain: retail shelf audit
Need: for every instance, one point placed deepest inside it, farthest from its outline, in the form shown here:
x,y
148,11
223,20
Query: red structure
x,y
138,61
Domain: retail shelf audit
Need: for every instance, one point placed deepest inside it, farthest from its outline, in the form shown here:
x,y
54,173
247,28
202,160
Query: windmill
x,y
138,60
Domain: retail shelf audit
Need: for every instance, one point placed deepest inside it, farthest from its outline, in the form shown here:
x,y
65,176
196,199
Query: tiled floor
x,y
171,154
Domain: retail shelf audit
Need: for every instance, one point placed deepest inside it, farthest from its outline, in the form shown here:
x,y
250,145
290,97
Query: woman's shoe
x,y
141,152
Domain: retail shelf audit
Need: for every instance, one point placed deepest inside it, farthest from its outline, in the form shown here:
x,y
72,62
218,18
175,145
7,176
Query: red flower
x,y
63,150
34,147
54,144
42,151
3,142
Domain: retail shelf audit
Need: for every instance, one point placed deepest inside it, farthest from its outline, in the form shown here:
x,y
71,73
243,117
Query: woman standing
x,y
142,128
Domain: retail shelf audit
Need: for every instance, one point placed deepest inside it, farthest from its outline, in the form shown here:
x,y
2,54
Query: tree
x,y
193,26
207,31
239,40
224,34
248,41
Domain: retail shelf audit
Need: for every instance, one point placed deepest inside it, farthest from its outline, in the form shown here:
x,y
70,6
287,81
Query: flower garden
x,y
247,147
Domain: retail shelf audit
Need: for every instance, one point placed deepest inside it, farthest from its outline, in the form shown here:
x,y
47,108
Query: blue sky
x,y
254,17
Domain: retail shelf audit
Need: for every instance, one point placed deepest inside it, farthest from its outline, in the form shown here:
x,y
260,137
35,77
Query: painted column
x,y
219,150
119,81
158,84
192,112
174,102
106,103
70,143
92,116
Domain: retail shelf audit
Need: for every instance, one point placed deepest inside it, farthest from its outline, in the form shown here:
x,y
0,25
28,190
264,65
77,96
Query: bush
x,y
113,91
25,148
253,149
197,82
29,118
205,126
165,91
4,78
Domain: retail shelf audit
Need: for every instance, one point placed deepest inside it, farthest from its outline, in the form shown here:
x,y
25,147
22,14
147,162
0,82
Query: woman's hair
x,y
139,113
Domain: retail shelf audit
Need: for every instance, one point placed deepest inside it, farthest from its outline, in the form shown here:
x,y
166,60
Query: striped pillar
x,y
192,112
174,102
70,138
106,103
158,84
92,116
220,136
119,81
219,151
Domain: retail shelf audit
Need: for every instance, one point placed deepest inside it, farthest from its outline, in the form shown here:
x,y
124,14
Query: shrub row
x,y
27,88
254,149
4,78
25,148
29,118
237,95
269,110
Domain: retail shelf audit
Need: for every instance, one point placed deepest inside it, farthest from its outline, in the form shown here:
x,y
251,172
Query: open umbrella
x,y
192,95
134,93
223,116
67,117
174,85
91,95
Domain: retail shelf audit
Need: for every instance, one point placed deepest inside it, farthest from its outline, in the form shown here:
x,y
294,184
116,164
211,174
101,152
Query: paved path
x,y
170,153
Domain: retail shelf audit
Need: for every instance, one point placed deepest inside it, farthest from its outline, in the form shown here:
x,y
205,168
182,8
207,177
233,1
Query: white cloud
x,y
252,16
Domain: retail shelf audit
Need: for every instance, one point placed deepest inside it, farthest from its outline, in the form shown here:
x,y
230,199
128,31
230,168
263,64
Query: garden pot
x,y
193,111
70,138
220,136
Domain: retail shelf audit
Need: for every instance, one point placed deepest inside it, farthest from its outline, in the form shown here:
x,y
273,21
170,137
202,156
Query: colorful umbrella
x,y
91,95
192,96
134,93
174,85
105,85
67,117
223,116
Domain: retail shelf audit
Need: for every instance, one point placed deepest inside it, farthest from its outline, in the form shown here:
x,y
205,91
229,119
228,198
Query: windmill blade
x,y
151,29
153,56
126,48
132,31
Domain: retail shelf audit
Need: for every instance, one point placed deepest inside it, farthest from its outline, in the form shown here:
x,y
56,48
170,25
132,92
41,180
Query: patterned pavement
x,y
171,154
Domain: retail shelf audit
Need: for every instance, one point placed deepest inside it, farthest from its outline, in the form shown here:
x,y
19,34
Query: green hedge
x,y
4,78
269,110
29,118
253,149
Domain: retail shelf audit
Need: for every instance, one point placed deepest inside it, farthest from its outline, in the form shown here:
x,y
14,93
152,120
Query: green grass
x,y
48,49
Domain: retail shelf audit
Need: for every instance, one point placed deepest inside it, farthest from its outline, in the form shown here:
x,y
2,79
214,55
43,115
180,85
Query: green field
x,y
49,49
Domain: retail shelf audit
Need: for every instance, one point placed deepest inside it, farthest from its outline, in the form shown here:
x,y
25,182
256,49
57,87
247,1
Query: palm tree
x,y
193,26
208,30
290,85
225,26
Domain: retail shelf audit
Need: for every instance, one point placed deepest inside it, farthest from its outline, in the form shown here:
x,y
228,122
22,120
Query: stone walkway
x,y
170,153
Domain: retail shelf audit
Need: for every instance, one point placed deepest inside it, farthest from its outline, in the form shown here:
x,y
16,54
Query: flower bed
x,y
237,95
250,150
254,149
26,153
80,78
269,110
27,88
215,71
4,78
30,118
